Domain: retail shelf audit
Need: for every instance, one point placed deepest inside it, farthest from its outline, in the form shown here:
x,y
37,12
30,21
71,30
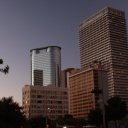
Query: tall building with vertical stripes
x,y
46,66
103,37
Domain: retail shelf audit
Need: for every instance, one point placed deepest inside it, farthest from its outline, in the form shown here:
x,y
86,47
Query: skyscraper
x,y
103,37
46,66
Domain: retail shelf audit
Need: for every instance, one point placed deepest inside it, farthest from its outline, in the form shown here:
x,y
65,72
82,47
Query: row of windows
x,y
44,92
53,112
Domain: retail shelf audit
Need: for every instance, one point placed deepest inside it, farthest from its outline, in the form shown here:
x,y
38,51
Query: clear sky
x,y
28,24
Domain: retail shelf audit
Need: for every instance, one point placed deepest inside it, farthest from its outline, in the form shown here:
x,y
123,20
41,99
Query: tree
x,y
95,117
66,120
37,122
5,69
116,109
11,115
81,122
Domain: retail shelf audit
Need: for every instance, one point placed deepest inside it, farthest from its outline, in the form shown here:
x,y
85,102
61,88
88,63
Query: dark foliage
x,y
116,109
11,115
66,120
1,61
5,69
95,117
37,122
81,122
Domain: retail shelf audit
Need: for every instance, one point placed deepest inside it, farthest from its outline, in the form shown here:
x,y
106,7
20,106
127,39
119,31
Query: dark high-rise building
x,y
103,37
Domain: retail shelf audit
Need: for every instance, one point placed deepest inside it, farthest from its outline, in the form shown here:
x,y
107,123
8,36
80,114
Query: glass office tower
x,y
46,66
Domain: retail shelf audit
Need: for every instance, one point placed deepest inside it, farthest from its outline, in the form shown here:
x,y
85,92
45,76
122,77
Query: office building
x,y
64,77
81,84
46,66
103,37
47,101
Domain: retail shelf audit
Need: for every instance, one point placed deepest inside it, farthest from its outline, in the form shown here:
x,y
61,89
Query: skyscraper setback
x,y
103,37
46,66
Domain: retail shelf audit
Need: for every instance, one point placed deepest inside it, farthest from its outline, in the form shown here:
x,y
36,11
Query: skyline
x,y
28,24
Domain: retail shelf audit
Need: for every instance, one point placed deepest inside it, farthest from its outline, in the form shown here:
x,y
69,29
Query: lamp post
x,y
47,114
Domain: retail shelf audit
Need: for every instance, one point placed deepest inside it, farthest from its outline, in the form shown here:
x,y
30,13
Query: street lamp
x,y
47,114
64,126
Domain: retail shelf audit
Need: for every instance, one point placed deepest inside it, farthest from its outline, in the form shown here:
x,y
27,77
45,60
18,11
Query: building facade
x,y
44,101
81,84
46,66
103,37
64,77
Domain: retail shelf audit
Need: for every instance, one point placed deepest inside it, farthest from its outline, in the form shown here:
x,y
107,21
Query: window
x,y
39,101
39,96
59,102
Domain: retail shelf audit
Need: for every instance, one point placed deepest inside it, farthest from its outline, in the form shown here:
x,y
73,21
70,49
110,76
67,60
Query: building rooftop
x,y
100,13
41,48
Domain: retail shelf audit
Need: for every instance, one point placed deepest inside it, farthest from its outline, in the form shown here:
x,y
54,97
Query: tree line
x,y
12,116
115,111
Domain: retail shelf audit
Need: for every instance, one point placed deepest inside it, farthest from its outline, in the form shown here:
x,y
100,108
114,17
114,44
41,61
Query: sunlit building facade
x,y
103,37
46,66
81,84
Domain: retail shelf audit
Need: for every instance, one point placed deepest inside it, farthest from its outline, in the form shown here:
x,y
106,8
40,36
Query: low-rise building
x,y
44,101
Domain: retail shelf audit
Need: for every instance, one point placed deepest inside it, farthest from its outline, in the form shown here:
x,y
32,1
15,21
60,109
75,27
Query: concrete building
x,y
44,101
64,77
81,83
103,37
46,66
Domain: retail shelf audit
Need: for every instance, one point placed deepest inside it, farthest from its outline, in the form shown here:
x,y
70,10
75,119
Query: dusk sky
x,y
28,24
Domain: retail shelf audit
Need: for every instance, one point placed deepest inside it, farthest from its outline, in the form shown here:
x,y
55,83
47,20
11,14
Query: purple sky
x,y
28,24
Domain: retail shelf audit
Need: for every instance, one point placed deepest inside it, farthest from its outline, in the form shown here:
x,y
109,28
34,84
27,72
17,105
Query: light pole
x,y
47,114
